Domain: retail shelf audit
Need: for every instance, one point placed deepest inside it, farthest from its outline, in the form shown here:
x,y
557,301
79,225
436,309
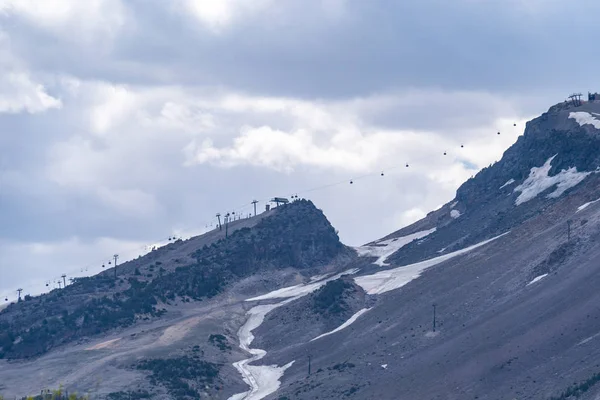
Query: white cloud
x,y
19,93
73,20
406,217
268,147
217,15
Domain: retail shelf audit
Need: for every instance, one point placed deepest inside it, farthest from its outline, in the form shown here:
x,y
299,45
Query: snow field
x,y
384,281
584,118
390,246
538,181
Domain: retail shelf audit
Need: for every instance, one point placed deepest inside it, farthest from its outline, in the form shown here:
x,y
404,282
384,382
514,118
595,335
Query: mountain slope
x,y
511,265
515,318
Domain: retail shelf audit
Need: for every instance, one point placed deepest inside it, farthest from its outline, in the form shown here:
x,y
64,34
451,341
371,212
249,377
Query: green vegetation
x,y
298,236
130,395
183,377
220,341
578,389
53,395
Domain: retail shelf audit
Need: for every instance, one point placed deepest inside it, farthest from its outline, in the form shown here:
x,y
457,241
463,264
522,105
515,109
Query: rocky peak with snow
x,y
558,153
564,140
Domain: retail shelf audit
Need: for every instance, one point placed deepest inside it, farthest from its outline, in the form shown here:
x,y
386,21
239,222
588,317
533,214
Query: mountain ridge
x,y
516,316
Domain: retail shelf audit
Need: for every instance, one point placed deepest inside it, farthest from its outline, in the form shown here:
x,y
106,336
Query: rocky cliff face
x,y
554,133
558,154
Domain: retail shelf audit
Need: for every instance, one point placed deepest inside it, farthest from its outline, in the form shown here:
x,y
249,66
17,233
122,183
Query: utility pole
x,y
219,218
226,224
254,204
19,290
434,317
116,257
59,282
64,280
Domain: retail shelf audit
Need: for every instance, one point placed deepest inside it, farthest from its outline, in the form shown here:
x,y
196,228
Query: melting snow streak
x,y
539,181
345,324
385,281
263,380
508,182
383,249
537,279
586,205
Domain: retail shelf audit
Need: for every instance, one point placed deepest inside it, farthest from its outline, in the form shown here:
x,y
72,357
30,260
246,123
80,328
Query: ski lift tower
x,y
279,200
576,99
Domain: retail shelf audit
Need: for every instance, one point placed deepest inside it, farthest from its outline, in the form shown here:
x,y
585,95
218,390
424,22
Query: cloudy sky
x,y
123,122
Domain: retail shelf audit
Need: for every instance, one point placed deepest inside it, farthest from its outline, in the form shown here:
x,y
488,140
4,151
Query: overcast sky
x,y
123,122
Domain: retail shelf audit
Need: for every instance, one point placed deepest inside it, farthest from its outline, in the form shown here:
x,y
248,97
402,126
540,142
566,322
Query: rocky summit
x,y
492,296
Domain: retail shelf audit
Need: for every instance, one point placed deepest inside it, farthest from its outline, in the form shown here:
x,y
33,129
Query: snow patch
x,y
345,324
454,204
537,279
384,366
508,182
455,214
539,181
586,205
302,289
584,118
388,247
384,281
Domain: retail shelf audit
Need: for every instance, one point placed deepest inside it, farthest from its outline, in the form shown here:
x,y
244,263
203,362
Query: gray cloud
x,y
134,120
